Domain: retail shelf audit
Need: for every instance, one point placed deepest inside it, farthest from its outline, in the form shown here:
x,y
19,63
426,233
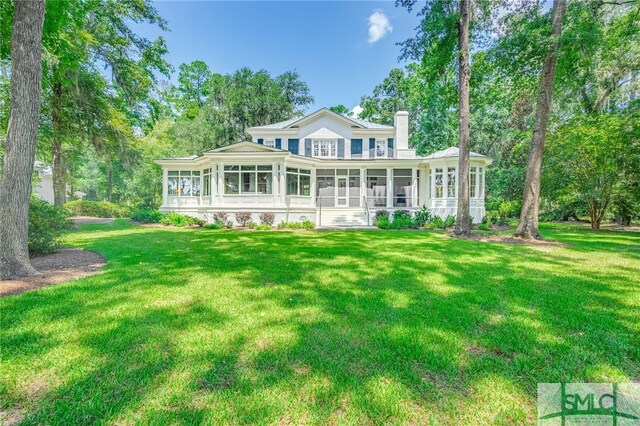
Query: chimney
x,y
401,123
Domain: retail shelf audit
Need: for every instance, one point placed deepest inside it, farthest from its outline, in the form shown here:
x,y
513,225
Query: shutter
x,y
340,148
372,147
261,141
390,147
307,147
293,145
279,143
356,147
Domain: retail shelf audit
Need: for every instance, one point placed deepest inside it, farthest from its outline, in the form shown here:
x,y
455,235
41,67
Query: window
x,y
473,179
298,181
270,143
438,183
356,147
402,187
184,183
377,187
381,148
451,182
327,148
251,180
206,183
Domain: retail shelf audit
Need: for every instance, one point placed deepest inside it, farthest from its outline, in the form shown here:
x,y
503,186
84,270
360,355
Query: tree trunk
x,y
22,134
59,185
528,226
462,217
110,183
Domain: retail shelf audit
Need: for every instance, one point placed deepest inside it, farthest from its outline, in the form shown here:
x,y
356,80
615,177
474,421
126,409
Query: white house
x,y
43,182
324,167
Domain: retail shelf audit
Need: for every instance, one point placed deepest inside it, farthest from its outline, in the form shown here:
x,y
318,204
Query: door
x,y
341,194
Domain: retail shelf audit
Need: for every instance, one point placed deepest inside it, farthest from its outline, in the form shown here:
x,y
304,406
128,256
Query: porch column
x,y
423,197
363,186
313,192
213,183
165,186
220,183
283,183
389,187
414,188
274,182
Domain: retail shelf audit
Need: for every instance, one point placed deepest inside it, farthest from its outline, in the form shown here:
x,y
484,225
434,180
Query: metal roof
x,y
358,121
452,151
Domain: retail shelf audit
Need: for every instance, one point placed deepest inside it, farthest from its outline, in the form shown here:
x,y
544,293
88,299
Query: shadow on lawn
x,y
376,320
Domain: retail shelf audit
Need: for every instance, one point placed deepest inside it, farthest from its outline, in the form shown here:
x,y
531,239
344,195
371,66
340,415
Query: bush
x,y
96,209
243,217
484,226
379,214
251,224
146,215
177,219
449,222
263,227
47,223
429,225
291,225
383,222
422,217
220,217
214,225
402,220
307,224
267,218
438,222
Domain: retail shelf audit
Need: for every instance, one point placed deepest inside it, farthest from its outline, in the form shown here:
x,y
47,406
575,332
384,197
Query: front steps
x,y
341,217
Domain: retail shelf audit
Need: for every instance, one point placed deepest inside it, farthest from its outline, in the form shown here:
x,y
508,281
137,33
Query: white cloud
x,y
379,26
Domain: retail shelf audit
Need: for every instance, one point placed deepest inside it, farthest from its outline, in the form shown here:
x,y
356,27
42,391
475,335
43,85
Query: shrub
x,y
96,209
484,226
146,215
293,225
267,218
402,220
307,224
47,223
214,225
429,225
220,217
383,222
243,217
251,224
380,213
438,222
422,217
177,219
229,224
263,227
449,222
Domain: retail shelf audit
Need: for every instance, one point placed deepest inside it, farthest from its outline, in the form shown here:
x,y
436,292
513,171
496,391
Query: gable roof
x,y
452,151
364,124
245,146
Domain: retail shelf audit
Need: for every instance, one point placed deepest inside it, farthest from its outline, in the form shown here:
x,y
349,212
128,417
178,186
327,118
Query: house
x,y
324,167
43,181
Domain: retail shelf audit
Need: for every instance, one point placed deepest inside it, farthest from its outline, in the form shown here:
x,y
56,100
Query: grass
x,y
190,326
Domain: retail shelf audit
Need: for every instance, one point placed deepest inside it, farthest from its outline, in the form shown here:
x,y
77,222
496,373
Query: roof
x,y
358,121
452,151
45,169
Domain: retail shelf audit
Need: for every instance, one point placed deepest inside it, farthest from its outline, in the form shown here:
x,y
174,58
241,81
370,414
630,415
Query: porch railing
x,y
366,209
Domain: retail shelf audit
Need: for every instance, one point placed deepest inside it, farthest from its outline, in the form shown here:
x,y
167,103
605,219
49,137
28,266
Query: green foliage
x,y
263,227
251,224
402,220
484,226
214,225
449,221
383,222
47,223
177,219
438,222
96,209
308,224
146,215
340,109
422,217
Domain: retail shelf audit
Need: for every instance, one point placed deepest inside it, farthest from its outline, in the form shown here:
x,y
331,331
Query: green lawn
x,y
188,326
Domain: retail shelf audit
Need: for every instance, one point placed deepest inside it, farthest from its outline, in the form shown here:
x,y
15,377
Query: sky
x,y
341,49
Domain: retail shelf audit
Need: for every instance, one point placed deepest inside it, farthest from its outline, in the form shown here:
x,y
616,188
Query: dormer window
x,y
381,148
325,148
271,143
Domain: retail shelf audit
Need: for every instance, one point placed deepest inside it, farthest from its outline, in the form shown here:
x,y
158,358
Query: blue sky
x,y
342,49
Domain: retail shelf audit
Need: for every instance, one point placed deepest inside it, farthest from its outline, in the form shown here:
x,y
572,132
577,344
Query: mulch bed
x,y
64,265
508,239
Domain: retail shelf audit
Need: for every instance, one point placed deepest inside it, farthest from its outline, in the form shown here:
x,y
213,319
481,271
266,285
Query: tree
x,y
463,216
593,159
528,226
15,188
340,109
